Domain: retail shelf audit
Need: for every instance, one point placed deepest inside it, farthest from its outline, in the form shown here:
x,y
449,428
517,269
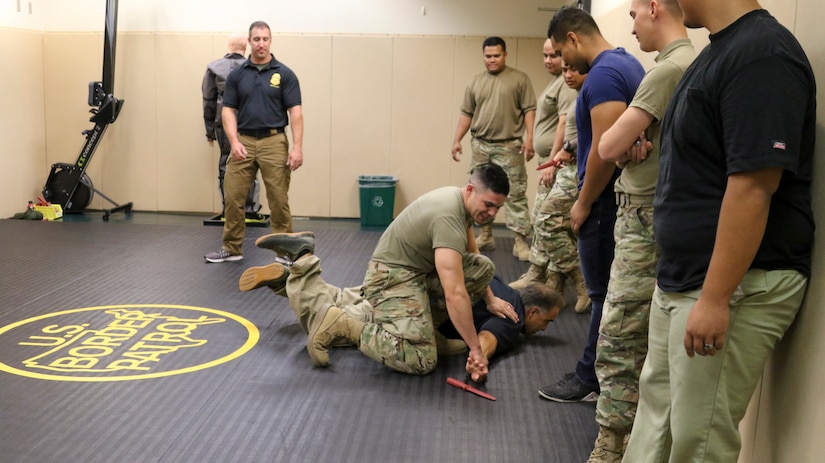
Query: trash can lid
x,y
373,179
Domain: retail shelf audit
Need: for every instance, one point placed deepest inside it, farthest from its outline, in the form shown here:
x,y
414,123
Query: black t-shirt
x,y
263,96
507,333
746,103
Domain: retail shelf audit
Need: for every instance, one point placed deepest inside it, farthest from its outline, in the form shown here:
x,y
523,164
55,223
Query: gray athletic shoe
x,y
289,245
222,256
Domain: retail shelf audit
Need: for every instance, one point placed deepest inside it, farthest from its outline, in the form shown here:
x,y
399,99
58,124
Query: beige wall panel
x,y
531,61
789,417
310,190
185,164
71,61
361,126
22,123
423,117
130,149
469,61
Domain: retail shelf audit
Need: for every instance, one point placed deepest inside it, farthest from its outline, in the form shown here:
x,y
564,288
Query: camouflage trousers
x,y
401,334
508,156
477,276
623,333
308,293
554,243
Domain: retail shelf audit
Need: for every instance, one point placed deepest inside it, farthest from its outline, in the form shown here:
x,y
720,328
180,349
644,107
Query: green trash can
x,y
377,193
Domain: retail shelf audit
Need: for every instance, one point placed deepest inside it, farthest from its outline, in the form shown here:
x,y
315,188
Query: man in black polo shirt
x,y
260,99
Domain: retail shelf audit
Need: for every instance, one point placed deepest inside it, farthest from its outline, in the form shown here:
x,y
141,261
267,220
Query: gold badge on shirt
x,y
275,80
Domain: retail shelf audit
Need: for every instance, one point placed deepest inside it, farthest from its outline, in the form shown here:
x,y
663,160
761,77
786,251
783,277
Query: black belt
x,y
501,140
261,133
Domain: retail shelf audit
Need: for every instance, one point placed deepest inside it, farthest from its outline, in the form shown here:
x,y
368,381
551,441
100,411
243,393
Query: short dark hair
x,y
492,177
259,25
569,19
541,296
494,42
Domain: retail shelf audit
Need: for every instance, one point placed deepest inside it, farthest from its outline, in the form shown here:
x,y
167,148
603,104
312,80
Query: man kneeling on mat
x,y
536,306
433,235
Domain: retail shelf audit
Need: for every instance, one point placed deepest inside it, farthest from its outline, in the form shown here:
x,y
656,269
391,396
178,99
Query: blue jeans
x,y
595,255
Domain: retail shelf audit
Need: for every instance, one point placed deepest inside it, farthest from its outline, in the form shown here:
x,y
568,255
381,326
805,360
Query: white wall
x,y
517,18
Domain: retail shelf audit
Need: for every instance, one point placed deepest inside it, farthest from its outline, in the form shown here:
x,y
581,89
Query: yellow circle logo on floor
x,y
123,342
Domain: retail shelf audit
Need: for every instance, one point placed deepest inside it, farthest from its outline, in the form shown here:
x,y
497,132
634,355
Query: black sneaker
x,y
222,256
569,389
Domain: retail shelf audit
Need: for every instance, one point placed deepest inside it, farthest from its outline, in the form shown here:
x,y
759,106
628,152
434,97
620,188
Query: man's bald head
x,y
237,42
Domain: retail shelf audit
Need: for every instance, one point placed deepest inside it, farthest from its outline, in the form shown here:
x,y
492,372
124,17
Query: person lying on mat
x,y
536,305
431,236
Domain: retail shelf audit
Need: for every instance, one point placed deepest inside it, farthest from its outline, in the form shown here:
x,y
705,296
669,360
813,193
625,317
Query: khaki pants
x,y
269,155
690,408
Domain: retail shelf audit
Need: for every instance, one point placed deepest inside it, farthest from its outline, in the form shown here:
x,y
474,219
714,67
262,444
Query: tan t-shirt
x,y
570,131
555,100
653,96
436,219
497,103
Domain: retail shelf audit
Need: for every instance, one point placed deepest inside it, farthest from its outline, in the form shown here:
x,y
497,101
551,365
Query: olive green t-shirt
x,y
653,96
497,103
555,100
570,132
436,219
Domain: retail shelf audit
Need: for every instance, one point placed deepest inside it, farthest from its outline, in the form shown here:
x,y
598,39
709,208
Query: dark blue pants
x,y
596,247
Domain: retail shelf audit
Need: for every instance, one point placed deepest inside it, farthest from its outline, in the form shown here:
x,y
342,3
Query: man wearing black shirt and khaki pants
x,y
733,222
261,98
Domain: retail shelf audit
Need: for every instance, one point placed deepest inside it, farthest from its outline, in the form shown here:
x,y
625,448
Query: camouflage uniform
x,y
401,334
622,344
496,104
508,155
479,272
554,243
310,293
623,333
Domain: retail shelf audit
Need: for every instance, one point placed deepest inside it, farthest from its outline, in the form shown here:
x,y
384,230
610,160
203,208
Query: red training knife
x,y
547,164
466,387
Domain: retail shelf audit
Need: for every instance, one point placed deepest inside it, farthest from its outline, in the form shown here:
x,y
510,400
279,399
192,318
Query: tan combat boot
x,y
608,448
555,280
582,299
332,327
521,248
534,274
484,240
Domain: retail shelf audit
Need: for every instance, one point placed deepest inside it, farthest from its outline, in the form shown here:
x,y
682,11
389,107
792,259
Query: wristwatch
x,y
569,147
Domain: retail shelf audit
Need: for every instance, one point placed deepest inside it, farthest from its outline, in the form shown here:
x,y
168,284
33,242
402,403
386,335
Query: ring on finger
x,y
709,346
